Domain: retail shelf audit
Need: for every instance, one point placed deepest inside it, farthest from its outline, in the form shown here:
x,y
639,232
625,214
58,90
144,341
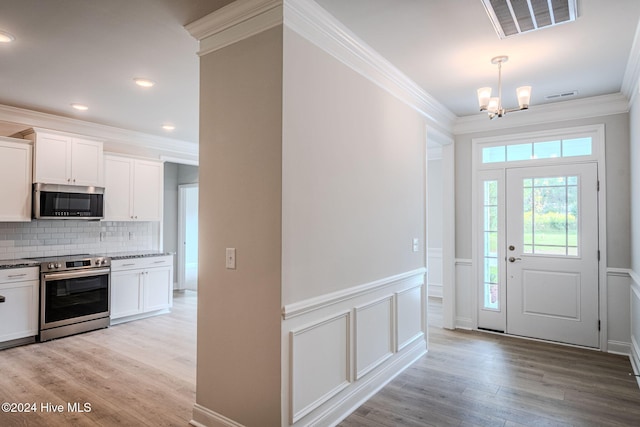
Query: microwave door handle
x,y
75,274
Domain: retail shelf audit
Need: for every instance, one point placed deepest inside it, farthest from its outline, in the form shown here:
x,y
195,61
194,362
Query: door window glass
x,y
490,265
550,215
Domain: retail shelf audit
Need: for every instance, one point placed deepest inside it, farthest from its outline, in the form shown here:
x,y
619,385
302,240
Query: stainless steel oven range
x,y
74,295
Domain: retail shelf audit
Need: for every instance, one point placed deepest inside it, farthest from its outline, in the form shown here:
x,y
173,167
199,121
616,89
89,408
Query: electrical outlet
x,y
231,258
416,245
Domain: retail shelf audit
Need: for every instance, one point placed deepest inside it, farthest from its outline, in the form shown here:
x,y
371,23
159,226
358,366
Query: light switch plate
x,y
231,258
416,245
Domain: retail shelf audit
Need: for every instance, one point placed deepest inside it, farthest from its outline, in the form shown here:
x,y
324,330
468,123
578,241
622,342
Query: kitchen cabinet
x,y
141,287
133,189
66,159
19,306
15,174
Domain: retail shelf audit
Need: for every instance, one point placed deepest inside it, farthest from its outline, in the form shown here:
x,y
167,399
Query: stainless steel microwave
x,y
52,201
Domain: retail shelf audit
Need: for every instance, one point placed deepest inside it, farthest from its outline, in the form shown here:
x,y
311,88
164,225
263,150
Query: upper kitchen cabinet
x,y
133,189
66,159
15,174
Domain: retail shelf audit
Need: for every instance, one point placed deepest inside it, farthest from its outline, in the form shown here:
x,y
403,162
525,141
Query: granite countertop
x,y
21,263
129,255
18,263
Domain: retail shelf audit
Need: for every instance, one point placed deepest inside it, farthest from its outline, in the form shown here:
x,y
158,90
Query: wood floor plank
x,y
475,378
140,373
143,374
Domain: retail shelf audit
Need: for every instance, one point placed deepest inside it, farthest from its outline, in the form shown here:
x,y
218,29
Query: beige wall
x,y
618,192
239,311
353,177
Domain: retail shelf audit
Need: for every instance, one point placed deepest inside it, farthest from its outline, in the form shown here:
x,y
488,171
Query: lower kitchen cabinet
x,y
19,306
141,287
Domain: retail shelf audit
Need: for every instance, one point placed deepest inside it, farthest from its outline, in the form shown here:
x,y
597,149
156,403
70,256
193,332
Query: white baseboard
x,y
205,417
435,290
618,347
635,359
464,323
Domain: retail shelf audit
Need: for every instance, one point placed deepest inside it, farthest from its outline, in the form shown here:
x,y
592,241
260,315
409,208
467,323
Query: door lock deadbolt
x,y
512,248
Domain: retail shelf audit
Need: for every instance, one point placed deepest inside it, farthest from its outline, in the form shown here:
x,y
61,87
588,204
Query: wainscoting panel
x,y
635,323
618,311
341,348
374,335
320,368
434,265
409,316
464,291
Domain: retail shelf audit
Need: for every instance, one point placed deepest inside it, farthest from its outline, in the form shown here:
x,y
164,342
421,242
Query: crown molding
x,y
630,81
309,20
234,22
117,137
596,106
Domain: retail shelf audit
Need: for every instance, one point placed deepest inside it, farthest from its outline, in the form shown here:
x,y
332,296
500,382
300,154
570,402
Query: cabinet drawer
x,y
11,275
144,262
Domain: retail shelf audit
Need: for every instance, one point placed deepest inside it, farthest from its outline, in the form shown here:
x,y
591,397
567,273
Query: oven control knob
x,y
98,261
50,266
58,265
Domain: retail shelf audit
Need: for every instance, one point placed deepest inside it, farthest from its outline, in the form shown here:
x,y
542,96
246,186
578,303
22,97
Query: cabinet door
x,y
158,288
15,174
148,188
52,159
118,175
126,293
86,162
19,311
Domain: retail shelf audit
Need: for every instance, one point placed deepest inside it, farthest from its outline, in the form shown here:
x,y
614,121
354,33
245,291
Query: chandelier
x,y
494,105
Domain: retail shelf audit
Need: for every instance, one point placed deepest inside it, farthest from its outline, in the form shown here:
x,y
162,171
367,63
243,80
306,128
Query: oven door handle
x,y
75,274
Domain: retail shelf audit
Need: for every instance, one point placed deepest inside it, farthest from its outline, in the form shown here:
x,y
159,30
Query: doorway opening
x,y
188,237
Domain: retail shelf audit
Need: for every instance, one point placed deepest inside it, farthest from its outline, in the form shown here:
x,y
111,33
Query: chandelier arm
x,y
499,85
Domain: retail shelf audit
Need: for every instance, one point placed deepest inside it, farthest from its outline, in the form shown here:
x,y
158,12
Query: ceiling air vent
x,y
561,95
512,17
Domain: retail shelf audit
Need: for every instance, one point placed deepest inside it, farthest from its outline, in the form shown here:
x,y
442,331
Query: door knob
x,y
514,259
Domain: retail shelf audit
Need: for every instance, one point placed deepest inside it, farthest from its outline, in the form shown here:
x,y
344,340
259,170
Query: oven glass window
x,y
76,297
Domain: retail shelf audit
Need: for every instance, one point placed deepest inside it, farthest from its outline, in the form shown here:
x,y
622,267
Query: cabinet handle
x,y
17,275
158,262
2,298
127,265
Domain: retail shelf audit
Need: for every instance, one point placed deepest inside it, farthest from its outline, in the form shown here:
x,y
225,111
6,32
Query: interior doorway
x,y
188,236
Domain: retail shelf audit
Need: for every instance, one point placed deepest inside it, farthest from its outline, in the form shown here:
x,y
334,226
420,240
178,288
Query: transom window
x,y
574,147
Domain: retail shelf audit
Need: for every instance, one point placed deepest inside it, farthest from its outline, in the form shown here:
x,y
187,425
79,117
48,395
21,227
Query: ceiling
x,y
89,51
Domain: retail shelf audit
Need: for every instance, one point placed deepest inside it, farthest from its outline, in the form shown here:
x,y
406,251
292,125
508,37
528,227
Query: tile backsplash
x,y
41,238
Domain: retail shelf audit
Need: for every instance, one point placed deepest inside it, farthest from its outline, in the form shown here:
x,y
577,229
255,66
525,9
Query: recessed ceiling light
x,y
80,107
168,127
140,81
6,37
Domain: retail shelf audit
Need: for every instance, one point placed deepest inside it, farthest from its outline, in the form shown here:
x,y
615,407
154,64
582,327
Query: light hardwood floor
x,y
140,373
143,374
479,379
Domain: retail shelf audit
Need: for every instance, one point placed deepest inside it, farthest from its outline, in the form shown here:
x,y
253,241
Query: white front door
x,y
551,240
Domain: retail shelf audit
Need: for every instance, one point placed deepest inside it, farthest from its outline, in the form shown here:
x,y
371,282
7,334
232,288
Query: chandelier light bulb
x,y
524,95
